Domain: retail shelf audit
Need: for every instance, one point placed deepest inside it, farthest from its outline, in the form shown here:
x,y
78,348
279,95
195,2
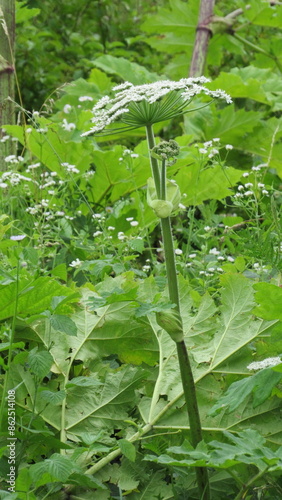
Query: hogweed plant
x,y
144,106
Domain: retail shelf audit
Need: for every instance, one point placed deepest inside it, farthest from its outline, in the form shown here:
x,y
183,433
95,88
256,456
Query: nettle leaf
x,y
269,298
54,398
128,449
40,362
85,481
83,382
35,296
212,183
57,468
214,336
155,487
64,324
113,177
260,384
125,69
247,448
108,405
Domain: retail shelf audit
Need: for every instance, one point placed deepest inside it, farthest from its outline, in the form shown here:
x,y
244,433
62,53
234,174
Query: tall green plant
x,y
145,105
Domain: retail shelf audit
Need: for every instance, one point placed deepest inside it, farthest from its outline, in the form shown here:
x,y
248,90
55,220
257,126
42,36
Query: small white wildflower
x,y
97,216
11,159
181,206
249,184
230,259
265,363
34,165
216,139
28,130
207,228
238,195
256,265
240,187
5,138
208,144
211,269
189,264
214,251
261,185
146,268
75,263
134,223
97,233
60,213
203,151
111,228
228,146
219,270
178,251
245,174
120,159
18,237
84,98
134,155
192,255
129,219
256,169
202,272
67,108
248,193
68,126
3,185
121,236
42,130
221,258
32,210
264,191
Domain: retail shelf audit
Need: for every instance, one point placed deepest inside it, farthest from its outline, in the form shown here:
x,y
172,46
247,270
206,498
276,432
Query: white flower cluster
x,y
265,363
13,178
107,110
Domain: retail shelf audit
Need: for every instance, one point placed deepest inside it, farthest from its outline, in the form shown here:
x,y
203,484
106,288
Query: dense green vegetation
x,y
100,410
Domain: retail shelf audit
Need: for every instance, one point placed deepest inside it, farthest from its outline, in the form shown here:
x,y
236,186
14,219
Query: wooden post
x,y
7,79
203,35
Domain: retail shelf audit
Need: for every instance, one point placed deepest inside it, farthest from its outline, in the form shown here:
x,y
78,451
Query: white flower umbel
x,y
141,105
265,363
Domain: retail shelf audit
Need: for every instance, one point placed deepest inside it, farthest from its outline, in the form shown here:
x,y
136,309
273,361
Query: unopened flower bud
x,y
171,322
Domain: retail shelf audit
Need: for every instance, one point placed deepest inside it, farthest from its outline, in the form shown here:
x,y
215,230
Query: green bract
x,y
163,208
171,322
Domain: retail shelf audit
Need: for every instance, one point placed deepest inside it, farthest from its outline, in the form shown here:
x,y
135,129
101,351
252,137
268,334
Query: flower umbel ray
x,y
142,105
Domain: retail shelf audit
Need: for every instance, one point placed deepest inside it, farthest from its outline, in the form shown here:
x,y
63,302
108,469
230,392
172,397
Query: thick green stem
x,y
154,161
163,180
183,358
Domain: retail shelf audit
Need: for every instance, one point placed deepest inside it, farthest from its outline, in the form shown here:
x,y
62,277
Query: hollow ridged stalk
x,y
183,358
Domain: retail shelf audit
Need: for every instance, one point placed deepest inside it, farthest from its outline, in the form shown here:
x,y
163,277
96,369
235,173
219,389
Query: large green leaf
x,y
50,147
269,299
34,296
247,448
125,69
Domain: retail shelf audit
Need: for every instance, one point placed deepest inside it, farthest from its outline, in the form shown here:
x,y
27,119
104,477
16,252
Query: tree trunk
x,y
7,42
203,34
